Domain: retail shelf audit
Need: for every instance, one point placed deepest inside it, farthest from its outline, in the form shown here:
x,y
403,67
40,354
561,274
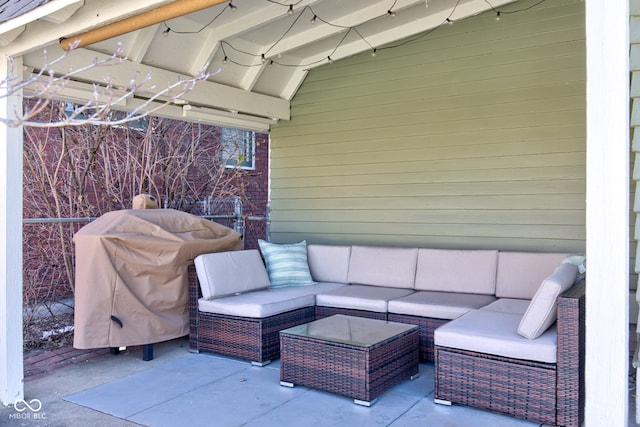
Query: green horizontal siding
x,y
634,216
472,136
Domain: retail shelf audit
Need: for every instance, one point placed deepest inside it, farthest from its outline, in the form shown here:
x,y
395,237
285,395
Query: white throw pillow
x,y
541,313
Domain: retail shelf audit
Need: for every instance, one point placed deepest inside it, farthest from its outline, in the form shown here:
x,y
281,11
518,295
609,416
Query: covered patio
x,y
276,74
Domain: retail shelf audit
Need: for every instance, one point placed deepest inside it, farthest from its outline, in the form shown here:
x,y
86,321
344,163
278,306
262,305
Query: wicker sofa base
x,y
549,393
426,326
256,340
525,390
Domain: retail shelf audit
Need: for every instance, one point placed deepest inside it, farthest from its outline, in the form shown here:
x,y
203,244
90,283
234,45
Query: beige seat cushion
x,y
383,266
267,302
438,305
227,273
542,311
361,297
508,305
492,332
468,271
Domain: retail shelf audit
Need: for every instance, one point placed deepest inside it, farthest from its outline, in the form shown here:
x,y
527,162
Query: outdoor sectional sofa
x,y
504,329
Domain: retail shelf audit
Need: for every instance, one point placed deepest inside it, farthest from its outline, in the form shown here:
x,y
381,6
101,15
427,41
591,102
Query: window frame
x,y
235,141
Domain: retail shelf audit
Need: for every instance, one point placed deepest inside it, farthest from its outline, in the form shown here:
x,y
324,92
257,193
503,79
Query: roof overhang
x,y
256,57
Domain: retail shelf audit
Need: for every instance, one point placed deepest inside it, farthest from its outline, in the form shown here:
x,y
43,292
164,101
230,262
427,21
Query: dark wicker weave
x,y
426,326
540,392
322,312
362,373
253,339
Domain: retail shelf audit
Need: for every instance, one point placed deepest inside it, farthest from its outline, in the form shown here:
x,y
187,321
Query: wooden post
x,y
607,206
11,142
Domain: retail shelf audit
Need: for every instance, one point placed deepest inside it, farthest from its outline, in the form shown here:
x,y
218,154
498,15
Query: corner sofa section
x,y
454,296
233,311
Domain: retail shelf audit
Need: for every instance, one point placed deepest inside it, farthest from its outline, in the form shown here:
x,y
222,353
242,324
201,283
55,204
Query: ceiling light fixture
x,y
233,7
290,11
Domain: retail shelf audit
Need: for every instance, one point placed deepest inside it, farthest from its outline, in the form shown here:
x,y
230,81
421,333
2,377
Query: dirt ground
x,y
47,332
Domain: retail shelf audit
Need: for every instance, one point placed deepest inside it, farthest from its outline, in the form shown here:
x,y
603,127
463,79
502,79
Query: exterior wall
x,y
634,64
472,136
256,191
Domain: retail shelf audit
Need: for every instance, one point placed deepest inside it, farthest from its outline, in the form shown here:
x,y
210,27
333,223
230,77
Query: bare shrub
x,y
85,171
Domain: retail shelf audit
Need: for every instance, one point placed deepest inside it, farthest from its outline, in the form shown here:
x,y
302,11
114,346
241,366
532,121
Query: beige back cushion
x,y
227,273
329,263
542,311
520,273
383,266
465,271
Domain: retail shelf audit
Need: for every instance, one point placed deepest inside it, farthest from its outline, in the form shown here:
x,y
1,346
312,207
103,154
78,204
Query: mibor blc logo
x,y
28,410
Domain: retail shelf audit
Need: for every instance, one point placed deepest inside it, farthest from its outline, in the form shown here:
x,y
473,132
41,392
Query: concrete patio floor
x,y
179,388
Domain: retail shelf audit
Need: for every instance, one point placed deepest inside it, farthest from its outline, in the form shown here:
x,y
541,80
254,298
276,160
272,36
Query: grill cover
x,y
132,264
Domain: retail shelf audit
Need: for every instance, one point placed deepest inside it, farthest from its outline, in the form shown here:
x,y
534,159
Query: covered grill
x,y
131,275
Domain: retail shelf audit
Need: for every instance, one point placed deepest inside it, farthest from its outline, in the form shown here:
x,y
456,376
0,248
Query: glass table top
x,y
356,331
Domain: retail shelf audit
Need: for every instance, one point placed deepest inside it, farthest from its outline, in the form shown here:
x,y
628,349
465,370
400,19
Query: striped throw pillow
x,y
286,263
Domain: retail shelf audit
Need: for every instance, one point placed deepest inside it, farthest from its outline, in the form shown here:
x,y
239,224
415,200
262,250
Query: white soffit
x,y
258,55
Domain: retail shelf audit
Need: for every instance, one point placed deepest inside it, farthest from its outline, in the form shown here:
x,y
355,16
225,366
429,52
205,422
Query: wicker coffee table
x,y
351,356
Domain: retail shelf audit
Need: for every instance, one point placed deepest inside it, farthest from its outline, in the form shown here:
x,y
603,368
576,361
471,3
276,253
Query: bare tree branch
x,y
45,85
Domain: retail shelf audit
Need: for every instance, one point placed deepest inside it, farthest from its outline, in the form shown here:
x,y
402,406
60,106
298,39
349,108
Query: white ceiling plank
x,y
9,36
405,29
143,40
253,65
208,49
252,75
320,30
93,14
48,9
244,23
294,82
61,15
260,18
207,93
474,7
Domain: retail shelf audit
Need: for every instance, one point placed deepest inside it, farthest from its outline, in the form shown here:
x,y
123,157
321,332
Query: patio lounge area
x,y
453,124
181,388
